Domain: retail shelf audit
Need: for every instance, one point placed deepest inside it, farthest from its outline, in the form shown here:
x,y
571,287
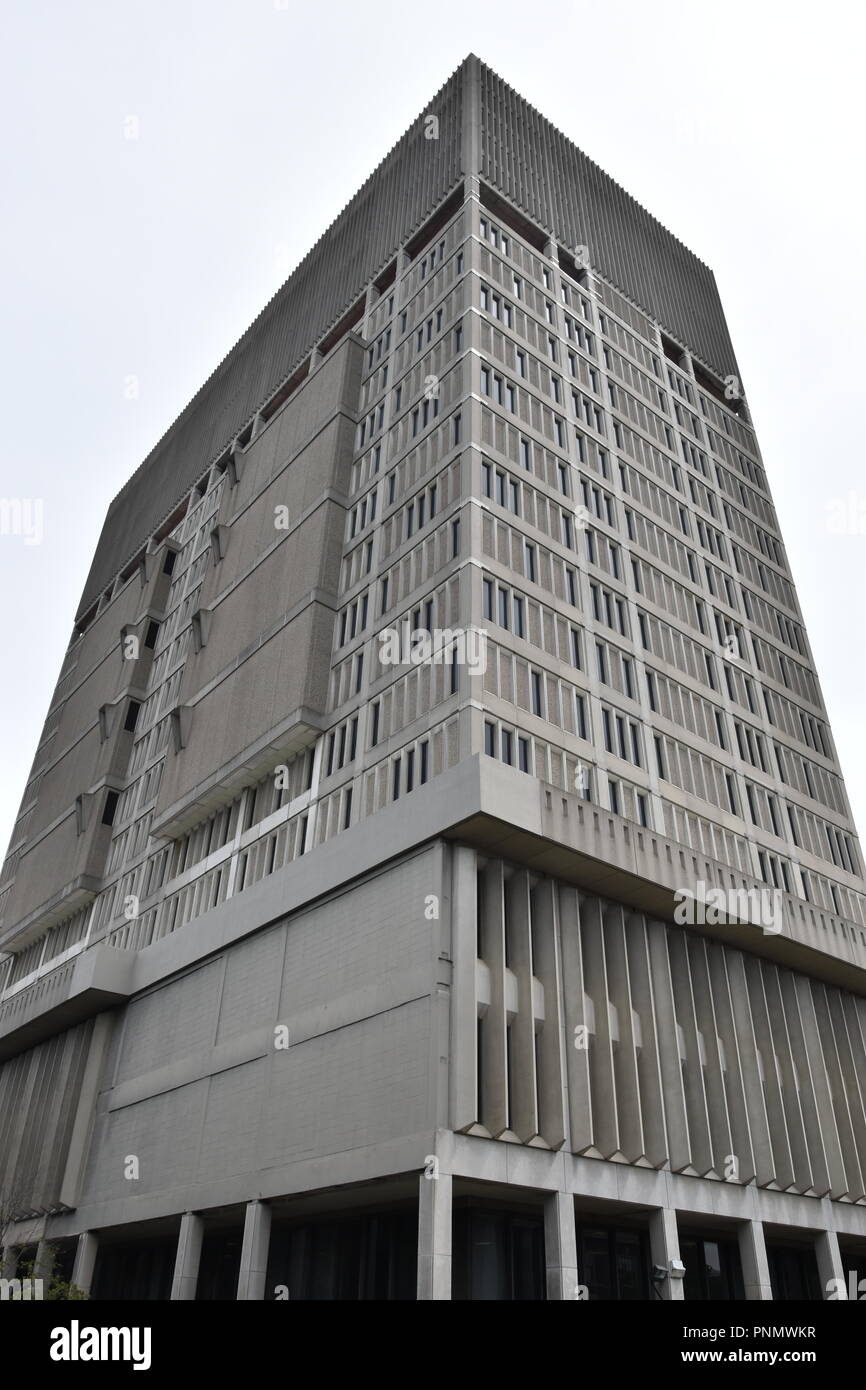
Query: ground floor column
x,y
753,1258
85,1259
830,1266
665,1249
43,1264
254,1251
434,1237
183,1285
560,1246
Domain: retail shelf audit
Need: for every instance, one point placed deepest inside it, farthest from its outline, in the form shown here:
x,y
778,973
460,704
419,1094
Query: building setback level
x,y
436,878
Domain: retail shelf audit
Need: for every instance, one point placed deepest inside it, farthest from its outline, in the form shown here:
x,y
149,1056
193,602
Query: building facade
x,y
436,878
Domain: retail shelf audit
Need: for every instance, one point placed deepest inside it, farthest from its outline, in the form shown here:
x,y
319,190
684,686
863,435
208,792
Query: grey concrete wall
x,y
271,596
40,1091
196,1090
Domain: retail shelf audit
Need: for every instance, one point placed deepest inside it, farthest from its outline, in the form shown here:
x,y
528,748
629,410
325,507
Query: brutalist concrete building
x,y
436,877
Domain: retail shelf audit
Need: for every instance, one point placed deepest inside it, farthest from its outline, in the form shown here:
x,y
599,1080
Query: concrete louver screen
x,y
677,1049
39,1101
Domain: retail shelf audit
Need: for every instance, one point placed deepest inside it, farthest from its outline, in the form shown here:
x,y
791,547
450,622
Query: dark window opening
x,y
793,1273
712,1268
370,1256
140,1271
498,1255
615,1263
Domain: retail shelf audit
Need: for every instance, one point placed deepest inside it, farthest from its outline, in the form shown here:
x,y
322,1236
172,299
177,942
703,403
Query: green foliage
x,y
64,1292
56,1289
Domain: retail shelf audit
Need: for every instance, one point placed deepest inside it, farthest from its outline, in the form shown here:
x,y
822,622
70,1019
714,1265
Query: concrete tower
x,y
436,877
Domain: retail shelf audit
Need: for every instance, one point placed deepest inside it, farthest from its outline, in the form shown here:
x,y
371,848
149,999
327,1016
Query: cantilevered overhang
x,y
557,833
486,804
299,730
481,803
98,979
74,895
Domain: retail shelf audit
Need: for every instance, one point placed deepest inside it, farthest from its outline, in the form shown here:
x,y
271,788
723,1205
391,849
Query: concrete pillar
x,y
254,1251
370,301
186,1264
44,1261
464,1018
665,1247
9,1262
471,132
85,1259
434,1237
753,1258
560,1246
830,1266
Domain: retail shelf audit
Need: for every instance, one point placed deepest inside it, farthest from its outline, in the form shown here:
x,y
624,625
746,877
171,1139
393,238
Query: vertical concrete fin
x,y
494,1052
576,1022
545,952
625,1053
649,1071
523,1089
605,1119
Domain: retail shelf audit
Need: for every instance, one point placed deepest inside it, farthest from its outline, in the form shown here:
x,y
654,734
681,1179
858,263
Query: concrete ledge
x,y
481,1161
298,731
558,833
96,980
479,802
77,893
487,804
365,1164
490,1161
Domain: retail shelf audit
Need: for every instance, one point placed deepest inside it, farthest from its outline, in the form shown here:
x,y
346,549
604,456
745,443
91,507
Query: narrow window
x,y
487,587
580,715
537,694
660,760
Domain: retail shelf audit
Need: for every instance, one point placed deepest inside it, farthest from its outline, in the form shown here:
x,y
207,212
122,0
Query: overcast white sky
x,y
739,126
